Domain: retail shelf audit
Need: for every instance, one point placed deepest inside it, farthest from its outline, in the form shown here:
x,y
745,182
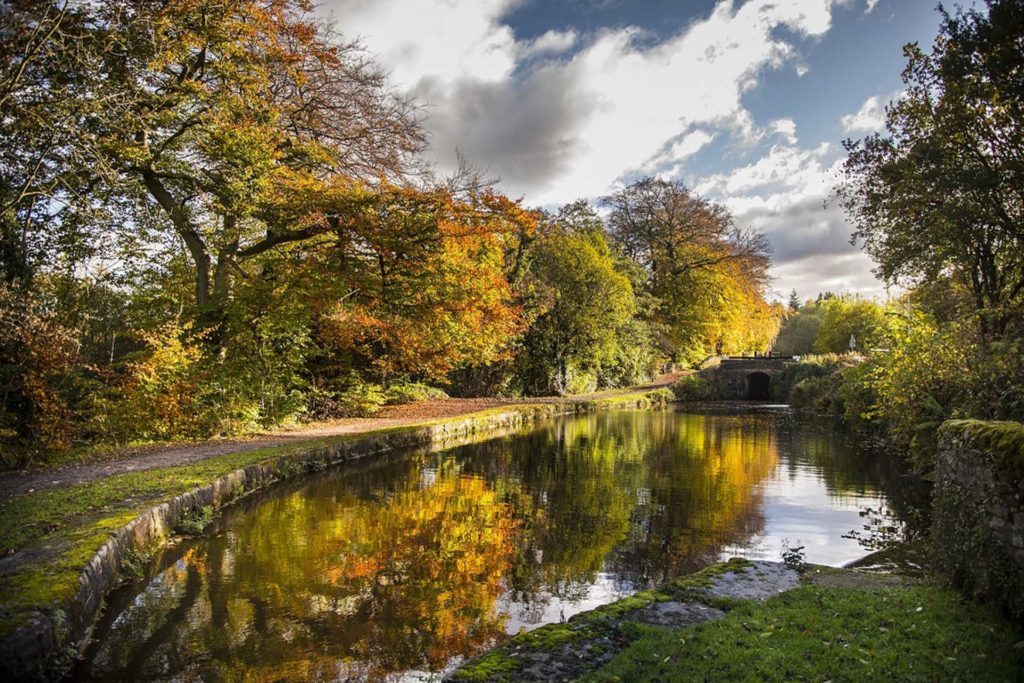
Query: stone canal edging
x,y
44,647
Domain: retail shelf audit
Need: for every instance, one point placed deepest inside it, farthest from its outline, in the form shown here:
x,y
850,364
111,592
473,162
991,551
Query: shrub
x,y
580,381
360,400
175,388
159,393
692,388
812,367
37,356
816,394
411,392
858,396
921,379
194,523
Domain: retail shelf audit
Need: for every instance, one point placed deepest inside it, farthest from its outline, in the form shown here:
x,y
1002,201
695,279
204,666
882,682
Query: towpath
x,y
152,457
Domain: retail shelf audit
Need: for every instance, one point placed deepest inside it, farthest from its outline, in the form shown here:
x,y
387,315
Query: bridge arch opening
x,y
759,386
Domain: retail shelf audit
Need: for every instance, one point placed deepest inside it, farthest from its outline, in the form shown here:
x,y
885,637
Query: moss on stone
x,y
493,666
977,510
550,636
597,630
1003,439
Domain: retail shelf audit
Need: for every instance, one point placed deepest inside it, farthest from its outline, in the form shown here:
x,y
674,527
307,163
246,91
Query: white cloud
x,y
648,95
439,39
550,43
871,5
787,196
668,163
869,118
561,116
621,99
690,144
785,169
786,128
836,273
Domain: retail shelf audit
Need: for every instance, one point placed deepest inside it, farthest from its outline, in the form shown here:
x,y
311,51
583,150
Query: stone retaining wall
x,y
45,647
978,519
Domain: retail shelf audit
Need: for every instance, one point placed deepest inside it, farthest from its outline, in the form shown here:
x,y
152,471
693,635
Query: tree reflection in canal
x,y
400,567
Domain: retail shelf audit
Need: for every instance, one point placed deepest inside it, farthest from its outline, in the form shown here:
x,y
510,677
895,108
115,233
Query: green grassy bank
x,y
835,625
815,633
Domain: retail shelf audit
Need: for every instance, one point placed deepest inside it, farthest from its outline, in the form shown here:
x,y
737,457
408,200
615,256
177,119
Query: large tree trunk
x,y
212,288
214,313
183,226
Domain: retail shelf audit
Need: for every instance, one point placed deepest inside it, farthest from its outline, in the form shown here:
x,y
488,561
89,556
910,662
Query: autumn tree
x,y
718,311
703,271
422,282
231,127
671,231
940,192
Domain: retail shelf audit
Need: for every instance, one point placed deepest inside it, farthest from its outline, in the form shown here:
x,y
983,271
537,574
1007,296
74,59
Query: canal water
x,y
395,570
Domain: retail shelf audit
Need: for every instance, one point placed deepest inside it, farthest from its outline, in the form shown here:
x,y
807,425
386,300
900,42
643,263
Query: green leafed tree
x,y
846,317
584,303
794,301
941,192
799,331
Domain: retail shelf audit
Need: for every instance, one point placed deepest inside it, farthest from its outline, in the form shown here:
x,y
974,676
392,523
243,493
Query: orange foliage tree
x,y
422,276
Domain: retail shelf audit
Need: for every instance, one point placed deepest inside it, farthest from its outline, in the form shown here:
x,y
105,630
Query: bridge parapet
x,y
749,378
766,363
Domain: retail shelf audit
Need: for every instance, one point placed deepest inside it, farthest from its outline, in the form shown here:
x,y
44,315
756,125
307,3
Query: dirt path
x,y
140,459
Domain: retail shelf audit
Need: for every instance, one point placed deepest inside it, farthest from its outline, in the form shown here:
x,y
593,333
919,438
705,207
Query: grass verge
x,y
919,633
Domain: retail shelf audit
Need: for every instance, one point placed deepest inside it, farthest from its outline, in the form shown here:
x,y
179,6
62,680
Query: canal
x,y
397,569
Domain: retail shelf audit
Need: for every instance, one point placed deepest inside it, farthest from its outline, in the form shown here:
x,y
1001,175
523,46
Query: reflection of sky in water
x,y
799,510
547,608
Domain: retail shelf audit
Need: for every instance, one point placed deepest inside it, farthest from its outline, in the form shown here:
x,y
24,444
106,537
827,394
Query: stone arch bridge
x,y
755,378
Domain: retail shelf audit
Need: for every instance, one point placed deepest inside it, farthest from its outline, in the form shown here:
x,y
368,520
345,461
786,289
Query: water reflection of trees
x,y
847,468
703,496
643,496
401,566
305,584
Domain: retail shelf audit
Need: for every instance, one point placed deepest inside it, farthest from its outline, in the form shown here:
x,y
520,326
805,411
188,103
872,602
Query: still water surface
x,y
394,570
